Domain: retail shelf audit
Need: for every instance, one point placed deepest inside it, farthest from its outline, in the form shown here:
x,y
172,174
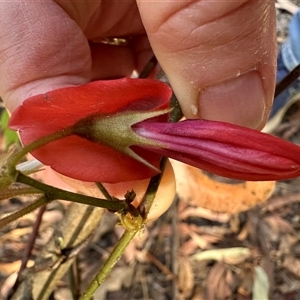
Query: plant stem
x,y
149,197
126,238
53,193
32,239
104,191
15,159
109,264
74,279
287,80
151,64
26,210
14,192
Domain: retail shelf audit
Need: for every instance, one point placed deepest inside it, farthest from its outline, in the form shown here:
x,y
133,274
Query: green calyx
x,y
116,131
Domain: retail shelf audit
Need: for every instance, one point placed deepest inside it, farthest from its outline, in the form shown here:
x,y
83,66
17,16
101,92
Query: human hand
x,y
200,45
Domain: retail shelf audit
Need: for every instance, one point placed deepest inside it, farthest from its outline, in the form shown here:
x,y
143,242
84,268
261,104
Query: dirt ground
x,y
218,241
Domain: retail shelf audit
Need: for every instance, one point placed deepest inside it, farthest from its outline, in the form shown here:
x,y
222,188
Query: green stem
x,y
15,159
109,264
149,197
126,237
149,67
104,191
14,192
53,193
26,210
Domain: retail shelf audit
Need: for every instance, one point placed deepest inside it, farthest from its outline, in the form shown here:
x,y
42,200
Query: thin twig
x,y
56,193
52,193
11,192
104,191
74,279
149,67
29,247
109,264
15,159
175,242
25,210
125,239
286,81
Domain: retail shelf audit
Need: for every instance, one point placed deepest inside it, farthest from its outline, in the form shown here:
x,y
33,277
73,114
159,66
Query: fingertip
x,y
240,100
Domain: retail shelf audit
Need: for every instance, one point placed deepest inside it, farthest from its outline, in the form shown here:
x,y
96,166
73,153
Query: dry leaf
x,y
292,264
216,286
198,189
279,225
11,267
203,241
118,277
15,234
246,285
204,213
261,284
189,247
235,255
286,243
7,285
185,277
269,267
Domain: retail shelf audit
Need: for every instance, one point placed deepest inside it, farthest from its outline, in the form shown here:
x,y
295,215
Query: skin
x,y
220,57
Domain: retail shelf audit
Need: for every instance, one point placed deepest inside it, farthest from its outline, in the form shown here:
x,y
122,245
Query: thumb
x,y
220,57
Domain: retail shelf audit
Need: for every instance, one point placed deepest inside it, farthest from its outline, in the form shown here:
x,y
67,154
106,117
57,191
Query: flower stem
x,y
149,197
126,238
109,264
53,193
26,210
15,159
104,191
14,192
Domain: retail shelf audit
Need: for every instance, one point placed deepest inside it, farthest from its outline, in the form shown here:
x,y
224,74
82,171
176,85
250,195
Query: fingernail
x,y
240,100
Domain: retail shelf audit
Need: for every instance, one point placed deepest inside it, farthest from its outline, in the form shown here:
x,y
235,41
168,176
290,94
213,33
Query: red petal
x,y
79,158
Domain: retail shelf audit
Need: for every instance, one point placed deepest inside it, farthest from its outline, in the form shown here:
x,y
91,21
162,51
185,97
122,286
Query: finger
x,y
39,56
110,61
220,57
36,57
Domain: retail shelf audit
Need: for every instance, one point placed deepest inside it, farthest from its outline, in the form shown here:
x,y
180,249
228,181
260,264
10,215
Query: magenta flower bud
x,y
224,149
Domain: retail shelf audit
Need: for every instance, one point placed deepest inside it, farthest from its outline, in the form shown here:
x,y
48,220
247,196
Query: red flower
x,y
120,133
76,156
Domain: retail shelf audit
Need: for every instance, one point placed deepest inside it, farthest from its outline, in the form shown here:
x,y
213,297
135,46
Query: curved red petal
x,y
79,158
84,160
46,113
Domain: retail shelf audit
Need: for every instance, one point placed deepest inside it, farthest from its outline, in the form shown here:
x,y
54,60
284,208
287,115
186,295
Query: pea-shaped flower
x,y
118,131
